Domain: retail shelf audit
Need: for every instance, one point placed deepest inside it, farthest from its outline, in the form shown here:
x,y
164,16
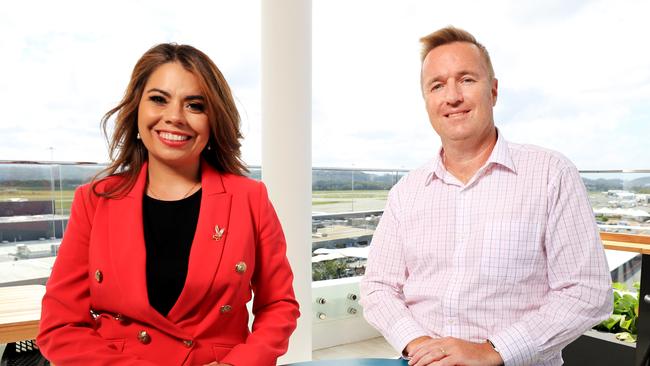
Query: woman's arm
x,y
67,335
274,306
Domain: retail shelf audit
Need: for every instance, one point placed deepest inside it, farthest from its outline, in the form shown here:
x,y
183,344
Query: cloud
x,y
573,75
69,62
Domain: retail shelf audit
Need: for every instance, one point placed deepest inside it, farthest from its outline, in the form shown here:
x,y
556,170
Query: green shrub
x,y
626,312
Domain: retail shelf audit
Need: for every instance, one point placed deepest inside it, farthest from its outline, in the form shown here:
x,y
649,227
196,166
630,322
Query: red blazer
x,y
96,309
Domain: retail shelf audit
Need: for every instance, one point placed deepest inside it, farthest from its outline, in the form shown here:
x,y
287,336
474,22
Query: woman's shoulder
x,y
241,183
97,187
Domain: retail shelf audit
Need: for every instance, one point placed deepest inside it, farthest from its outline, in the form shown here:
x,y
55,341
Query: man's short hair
x,y
452,34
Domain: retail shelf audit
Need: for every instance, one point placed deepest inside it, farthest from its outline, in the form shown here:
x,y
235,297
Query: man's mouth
x,y
456,114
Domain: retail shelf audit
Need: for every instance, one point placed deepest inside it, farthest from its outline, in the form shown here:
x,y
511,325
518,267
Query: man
x,y
489,254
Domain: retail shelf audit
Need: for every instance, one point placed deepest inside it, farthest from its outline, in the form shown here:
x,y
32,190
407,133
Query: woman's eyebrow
x,y
159,91
194,97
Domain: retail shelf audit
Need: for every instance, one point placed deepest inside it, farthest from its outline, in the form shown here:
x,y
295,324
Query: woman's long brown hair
x,y
127,153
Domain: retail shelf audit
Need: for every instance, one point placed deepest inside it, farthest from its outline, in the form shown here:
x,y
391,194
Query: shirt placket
x,y
452,299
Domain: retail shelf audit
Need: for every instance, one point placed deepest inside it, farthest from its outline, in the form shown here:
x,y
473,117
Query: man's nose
x,y
453,93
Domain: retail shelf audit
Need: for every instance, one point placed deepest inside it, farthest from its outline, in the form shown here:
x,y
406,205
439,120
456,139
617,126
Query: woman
x,y
160,257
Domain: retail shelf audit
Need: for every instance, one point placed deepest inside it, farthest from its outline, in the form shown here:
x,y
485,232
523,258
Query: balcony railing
x,y
35,200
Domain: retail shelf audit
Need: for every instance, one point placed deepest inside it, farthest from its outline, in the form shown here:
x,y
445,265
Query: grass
x,y
63,199
349,194
320,203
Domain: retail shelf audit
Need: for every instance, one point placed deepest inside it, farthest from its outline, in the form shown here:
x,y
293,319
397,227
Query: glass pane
x,y
346,206
35,202
621,201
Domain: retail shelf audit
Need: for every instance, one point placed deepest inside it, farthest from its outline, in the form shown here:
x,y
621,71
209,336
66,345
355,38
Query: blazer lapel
x,y
207,248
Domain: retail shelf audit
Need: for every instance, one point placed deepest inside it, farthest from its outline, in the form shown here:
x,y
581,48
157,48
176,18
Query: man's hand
x,y
451,351
412,344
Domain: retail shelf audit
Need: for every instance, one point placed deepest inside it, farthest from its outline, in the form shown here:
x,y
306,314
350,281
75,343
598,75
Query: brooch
x,y
218,233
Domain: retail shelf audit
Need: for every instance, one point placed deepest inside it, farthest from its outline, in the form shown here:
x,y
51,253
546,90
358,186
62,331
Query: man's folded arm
x,y
580,293
382,298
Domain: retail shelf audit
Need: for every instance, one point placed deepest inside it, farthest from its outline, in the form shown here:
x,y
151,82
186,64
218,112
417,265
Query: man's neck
x,y
463,158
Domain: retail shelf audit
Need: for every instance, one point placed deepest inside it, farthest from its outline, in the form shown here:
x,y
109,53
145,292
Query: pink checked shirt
x,y
514,256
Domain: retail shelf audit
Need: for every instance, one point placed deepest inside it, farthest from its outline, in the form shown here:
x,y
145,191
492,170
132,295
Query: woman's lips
x,y
173,139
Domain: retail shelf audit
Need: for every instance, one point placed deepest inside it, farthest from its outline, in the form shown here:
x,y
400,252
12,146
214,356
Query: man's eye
x,y
436,87
468,80
157,99
196,107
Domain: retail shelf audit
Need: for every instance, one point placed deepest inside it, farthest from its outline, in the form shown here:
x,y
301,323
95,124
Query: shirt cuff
x,y
402,332
515,346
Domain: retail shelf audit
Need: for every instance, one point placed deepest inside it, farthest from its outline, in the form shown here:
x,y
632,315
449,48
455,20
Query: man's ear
x,y
494,91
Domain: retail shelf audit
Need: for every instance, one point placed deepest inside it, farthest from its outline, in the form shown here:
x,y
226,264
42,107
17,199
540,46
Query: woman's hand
x,y
215,363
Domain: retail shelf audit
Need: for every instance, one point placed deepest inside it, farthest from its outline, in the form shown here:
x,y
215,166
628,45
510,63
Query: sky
x,y
574,76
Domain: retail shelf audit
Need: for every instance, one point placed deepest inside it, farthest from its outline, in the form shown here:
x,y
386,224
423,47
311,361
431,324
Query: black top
x,y
169,228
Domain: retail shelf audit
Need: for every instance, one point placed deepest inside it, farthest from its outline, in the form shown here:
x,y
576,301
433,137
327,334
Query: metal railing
x,y
35,199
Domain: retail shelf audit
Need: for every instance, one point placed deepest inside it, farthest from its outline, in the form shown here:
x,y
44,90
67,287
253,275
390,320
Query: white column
x,y
286,144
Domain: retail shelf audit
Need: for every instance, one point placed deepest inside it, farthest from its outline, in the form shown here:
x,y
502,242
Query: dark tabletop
x,y
354,362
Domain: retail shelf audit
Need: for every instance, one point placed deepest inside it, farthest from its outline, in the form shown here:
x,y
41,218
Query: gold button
x,y
144,337
120,318
226,308
240,267
188,343
99,276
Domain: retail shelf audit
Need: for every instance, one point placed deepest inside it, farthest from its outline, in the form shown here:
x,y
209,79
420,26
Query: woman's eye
x,y
157,99
196,107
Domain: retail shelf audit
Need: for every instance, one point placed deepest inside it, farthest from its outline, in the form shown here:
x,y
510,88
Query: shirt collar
x,y
500,155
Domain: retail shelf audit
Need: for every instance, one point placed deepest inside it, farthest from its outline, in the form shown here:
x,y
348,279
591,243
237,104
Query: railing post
x,y
643,321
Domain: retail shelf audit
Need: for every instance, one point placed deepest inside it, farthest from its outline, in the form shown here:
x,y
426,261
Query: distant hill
x,y
41,176
601,185
334,180
643,182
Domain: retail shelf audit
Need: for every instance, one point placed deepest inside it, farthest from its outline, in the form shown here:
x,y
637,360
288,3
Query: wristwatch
x,y
494,347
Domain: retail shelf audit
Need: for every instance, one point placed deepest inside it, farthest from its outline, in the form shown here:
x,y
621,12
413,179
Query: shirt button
x,y
240,267
99,276
188,343
144,337
450,321
226,308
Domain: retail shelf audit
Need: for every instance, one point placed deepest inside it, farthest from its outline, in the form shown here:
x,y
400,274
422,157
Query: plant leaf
x,y
625,323
626,337
611,322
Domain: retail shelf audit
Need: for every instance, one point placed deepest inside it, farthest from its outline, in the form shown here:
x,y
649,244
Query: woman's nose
x,y
174,113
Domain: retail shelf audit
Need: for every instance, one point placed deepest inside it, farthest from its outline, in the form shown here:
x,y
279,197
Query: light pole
x,y
352,188
52,199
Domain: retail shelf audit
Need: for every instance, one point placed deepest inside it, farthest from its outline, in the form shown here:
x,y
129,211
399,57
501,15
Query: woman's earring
x,y
137,136
209,147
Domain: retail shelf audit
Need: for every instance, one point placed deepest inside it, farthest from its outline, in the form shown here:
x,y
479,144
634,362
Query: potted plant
x,y
613,341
